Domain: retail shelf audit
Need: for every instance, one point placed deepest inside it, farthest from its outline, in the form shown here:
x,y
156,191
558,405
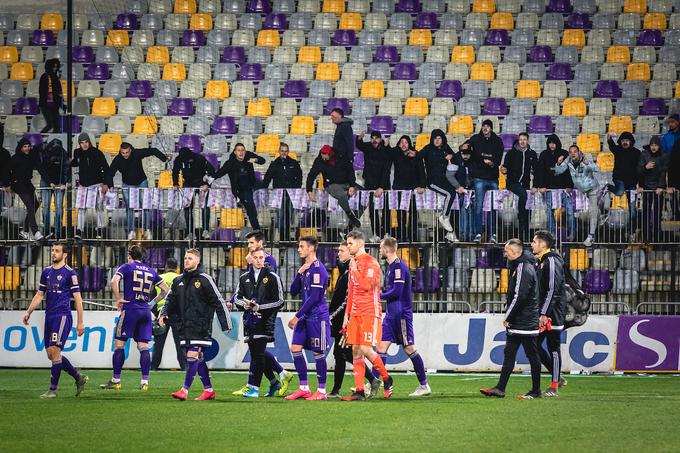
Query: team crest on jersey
x,y
397,273
197,284
59,277
265,280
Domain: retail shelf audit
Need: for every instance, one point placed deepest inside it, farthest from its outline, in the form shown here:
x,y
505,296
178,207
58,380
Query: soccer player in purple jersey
x,y
139,282
397,325
311,324
57,284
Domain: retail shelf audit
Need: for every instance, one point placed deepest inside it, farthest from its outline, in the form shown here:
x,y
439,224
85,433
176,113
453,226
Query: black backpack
x,y
578,302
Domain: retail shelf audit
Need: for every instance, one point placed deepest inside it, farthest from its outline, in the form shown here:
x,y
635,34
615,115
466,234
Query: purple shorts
x,y
313,334
57,330
134,323
398,330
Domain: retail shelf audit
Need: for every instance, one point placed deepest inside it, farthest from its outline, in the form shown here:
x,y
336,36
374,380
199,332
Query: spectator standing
x,y
5,169
24,162
195,170
50,98
343,138
518,166
672,136
625,175
652,170
377,169
409,174
55,180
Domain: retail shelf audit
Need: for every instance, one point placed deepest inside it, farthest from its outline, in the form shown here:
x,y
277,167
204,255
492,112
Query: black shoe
x,y
355,396
354,222
493,391
388,387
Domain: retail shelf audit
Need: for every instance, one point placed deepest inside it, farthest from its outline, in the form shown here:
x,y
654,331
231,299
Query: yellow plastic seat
x,y
638,71
416,107
217,89
52,21
201,21
578,259
419,37
619,124
174,71
529,89
410,256
259,107
654,21
482,71
605,161
618,54
372,89
9,54
461,124
350,21
503,281
422,140
463,54
309,54
268,38
165,179
328,71
574,37
619,202
118,38
104,107
589,143
333,6
502,21
267,144
145,125
21,71
110,143
302,125
677,89
185,7
64,89
635,6
484,6
10,278
574,107
158,54
233,218
309,231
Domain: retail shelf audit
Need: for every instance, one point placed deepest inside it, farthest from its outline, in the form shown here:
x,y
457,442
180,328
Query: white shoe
x,y
478,238
422,390
367,390
149,235
589,240
205,235
26,236
132,236
445,223
38,236
451,237
493,239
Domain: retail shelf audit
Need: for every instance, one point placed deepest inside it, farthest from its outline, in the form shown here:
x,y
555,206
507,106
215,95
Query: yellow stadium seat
x,y
350,21
165,179
416,107
605,161
103,107
589,143
638,71
574,37
237,255
372,89
574,107
110,143
503,281
502,181
303,125
578,259
482,71
158,54
502,21
201,21
145,125
185,7
9,54
654,21
328,71
232,218
334,280
422,140
333,6
64,89
10,278
118,38
461,124
52,21
308,231
21,71
677,89
618,54
410,256
463,54
619,202
419,37
484,6
267,144
619,124
529,89
217,89
174,71
309,54
268,38
635,6
259,107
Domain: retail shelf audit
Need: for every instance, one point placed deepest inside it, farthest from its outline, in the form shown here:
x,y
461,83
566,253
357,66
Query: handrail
x,y
665,304
622,304
489,303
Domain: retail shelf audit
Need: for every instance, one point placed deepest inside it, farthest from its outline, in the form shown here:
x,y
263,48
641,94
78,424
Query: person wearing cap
x,y
672,136
652,170
409,176
55,179
376,173
625,175
24,162
129,163
50,98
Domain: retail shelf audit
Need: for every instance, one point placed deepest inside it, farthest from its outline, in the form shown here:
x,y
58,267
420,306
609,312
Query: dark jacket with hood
x,y
56,164
191,305
377,165
520,165
522,309
490,148
267,292
409,172
193,167
625,160
552,299
435,158
132,168
48,76
22,168
339,171
656,177
343,140
241,172
544,173
337,304
93,168
285,173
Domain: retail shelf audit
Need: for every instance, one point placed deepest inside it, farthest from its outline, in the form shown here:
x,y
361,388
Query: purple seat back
x,y
75,123
191,141
155,257
450,89
427,21
140,89
540,54
608,89
193,38
43,38
560,71
126,21
654,107
495,106
341,103
508,140
358,160
328,256
223,234
295,89
408,6
559,6
224,125
26,106
426,280
212,158
83,54
259,6
650,38
98,71
496,37
405,71
181,107
597,281
251,71
382,124
344,38
234,55
490,258
93,279
35,138
579,20
275,22
386,54
540,124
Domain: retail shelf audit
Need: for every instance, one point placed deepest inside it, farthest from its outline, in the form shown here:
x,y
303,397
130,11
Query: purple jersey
x,y
312,285
139,282
397,290
58,285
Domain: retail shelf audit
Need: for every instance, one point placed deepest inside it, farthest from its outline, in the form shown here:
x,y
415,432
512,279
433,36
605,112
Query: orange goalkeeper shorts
x,y
364,330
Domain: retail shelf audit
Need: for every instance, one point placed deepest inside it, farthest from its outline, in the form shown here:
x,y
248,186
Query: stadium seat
x,y
328,71
104,107
589,143
302,125
117,38
644,54
174,71
21,71
185,7
9,54
416,107
619,124
130,107
336,55
502,20
268,38
605,161
618,54
635,6
578,259
638,71
461,124
574,107
201,22
110,143
350,21
158,54
600,107
372,89
217,89
654,21
267,144
529,89
259,107
482,71
421,38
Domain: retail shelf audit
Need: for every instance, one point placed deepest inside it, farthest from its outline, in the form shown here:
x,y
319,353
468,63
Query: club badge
x,y
197,284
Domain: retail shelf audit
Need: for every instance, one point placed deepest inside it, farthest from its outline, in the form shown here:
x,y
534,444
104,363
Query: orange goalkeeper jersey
x,y
363,295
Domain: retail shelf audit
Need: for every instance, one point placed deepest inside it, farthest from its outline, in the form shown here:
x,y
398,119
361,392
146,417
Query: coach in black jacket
x,y
285,173
518,166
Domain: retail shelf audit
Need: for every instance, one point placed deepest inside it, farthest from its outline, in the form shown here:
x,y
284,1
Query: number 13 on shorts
x,y
368,337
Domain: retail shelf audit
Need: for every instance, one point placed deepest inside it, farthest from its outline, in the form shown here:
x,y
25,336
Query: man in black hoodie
x,y
55,179
24,162
50,98
518,166
625,175
409,174
652,170
343,139
195,169
377,168
286,173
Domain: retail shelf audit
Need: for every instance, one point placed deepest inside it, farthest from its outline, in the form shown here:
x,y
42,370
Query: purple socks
x,y
66,366
204,374
192,366
374,372
145,363
321,370
419,367
55,372
300,366
118,360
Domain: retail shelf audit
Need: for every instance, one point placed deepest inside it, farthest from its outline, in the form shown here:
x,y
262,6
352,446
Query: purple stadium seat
x,y
75,124
559,6
275,22
34,138
358,161
540,54
295,89
382,124
234,55
26,106
560,71
193,38
405,71
251,71
579,20
408,6
223,234
508,140
338,103
597,281
140,89
181,107
82,54
386,54
450,89
212,158
650,38
427,20
344,38
540,124
490,258
259,6
224,125
126,22
98,71
193,142
495,106
608,89
497,38
427,280
43,38
654,107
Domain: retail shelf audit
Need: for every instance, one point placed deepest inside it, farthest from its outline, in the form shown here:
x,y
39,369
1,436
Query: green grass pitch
x,y
593,413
